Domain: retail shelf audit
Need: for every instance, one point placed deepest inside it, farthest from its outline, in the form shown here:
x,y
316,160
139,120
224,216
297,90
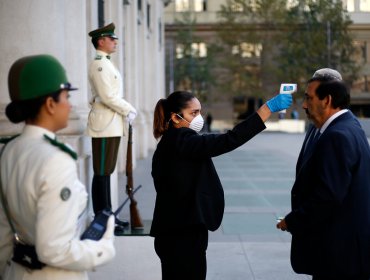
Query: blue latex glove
x,y
279,102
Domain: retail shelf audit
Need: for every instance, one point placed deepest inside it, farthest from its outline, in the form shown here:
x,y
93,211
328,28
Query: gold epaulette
x,y
61,146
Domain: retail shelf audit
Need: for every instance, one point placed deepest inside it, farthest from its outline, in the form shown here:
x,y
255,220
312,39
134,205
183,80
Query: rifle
x,y
135,219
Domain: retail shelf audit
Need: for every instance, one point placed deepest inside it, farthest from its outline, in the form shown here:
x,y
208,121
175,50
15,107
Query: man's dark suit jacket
x,y
189,191
330,218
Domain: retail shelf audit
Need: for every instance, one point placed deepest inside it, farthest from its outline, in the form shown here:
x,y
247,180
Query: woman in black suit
x,y
190,198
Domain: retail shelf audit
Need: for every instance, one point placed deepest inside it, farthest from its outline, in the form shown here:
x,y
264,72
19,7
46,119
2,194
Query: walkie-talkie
x,y
98,226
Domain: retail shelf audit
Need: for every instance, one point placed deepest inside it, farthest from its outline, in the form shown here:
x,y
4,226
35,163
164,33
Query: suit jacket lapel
x,y
310,130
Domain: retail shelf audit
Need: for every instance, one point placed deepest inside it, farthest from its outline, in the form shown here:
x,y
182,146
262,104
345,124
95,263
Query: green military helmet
x,y
36,76
106,31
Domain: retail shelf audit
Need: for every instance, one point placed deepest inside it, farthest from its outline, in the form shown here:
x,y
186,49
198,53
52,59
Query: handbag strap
x,y
5,204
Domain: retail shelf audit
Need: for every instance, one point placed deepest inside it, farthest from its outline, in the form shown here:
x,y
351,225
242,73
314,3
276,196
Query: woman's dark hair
x,y
339,92
18,111
174,103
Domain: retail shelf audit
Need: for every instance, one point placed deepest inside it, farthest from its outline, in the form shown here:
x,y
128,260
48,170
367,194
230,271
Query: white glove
x,y
131,116
109,232
107,241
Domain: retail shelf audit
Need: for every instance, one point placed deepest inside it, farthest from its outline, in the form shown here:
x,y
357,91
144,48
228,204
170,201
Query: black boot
x,y
122,223
101,198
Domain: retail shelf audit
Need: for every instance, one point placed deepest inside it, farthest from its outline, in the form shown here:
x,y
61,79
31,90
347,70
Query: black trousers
x,y
183,254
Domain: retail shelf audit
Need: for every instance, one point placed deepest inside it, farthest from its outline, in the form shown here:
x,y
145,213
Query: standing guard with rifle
x,y
108,117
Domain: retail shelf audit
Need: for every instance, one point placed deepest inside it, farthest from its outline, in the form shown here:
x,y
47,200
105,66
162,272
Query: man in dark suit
x,y
330,199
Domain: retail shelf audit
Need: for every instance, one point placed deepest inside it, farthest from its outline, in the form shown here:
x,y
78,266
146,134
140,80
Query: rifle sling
x,y
126,200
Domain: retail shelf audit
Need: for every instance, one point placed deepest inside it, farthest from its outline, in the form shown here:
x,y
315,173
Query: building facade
x,y
60,28
206,14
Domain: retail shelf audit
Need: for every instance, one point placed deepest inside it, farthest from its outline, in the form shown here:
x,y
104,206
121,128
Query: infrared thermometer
x,y
287,89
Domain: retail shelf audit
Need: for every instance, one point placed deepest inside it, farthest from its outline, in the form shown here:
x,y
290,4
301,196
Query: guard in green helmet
x,y
108,118
43,205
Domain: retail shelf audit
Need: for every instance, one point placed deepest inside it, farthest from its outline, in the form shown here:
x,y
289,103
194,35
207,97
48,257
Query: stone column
x,y
57,28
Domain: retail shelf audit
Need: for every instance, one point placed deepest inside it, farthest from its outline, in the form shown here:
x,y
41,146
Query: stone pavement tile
x,y
249,200
268,237
135,260
277,199
268,183
249,223
227,261
272,173
236,183
270,261
219,236
229,173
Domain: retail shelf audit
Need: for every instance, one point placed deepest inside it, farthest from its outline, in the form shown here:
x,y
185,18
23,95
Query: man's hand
x,y
282,225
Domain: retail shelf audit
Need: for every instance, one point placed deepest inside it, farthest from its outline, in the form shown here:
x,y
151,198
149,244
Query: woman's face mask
x,y
196,124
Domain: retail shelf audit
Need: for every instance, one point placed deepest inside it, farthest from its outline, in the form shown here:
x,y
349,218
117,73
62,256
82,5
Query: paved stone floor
x,y
257,179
